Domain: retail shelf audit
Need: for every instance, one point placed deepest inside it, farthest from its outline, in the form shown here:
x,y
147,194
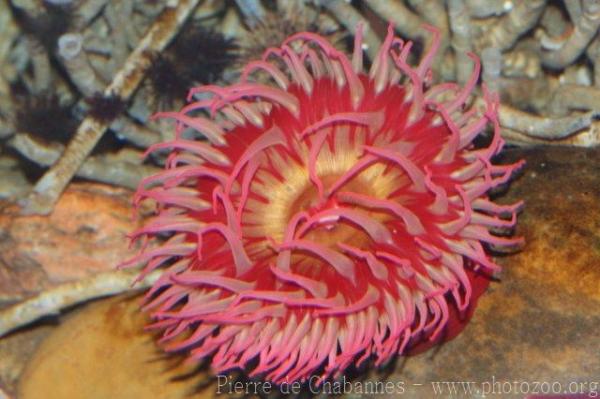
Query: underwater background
x,y
79,83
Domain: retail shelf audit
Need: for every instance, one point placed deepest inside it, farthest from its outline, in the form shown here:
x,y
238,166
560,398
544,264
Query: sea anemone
x,y
334,216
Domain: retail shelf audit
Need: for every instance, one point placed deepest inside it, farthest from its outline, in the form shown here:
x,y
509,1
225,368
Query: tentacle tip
x,y
191,93
473,56
155,116
432,29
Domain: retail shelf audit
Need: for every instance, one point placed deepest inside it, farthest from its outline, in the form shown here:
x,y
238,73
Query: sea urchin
x,y
334,216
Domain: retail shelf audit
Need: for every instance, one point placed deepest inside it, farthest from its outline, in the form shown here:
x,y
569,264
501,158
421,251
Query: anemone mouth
x,y
333,216
284,187
334,232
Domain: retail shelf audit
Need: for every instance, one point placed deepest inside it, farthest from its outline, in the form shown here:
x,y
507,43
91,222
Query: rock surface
x,y
84,235
15,350
541,321
103,352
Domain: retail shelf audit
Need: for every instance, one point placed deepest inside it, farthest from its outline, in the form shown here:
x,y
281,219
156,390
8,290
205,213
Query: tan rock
x,y
85,234
15,350
103,352
20,275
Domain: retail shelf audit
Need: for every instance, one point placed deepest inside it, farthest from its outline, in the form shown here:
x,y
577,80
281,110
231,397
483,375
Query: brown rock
x,y
15,350
541,321
20,275
84,234
103,352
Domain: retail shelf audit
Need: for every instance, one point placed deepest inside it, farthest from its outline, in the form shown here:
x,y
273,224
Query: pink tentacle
x,y
434,251
402,262
357,53
339,262
375,229
202,278
411,220
232,220
290,298
315,149
262,312
177,196
271,69
468,89
313,60
318,289
213,132
197,309
378,269
284,257
201,332
216,91
475,253
486,205
240,258
278,96
482,234
484,220
415,174
249,174
455,226
357,168
206,151
271,138
302,75
417,107
167,223
369,298
380,68
440,205
371,119
427,60
175,176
